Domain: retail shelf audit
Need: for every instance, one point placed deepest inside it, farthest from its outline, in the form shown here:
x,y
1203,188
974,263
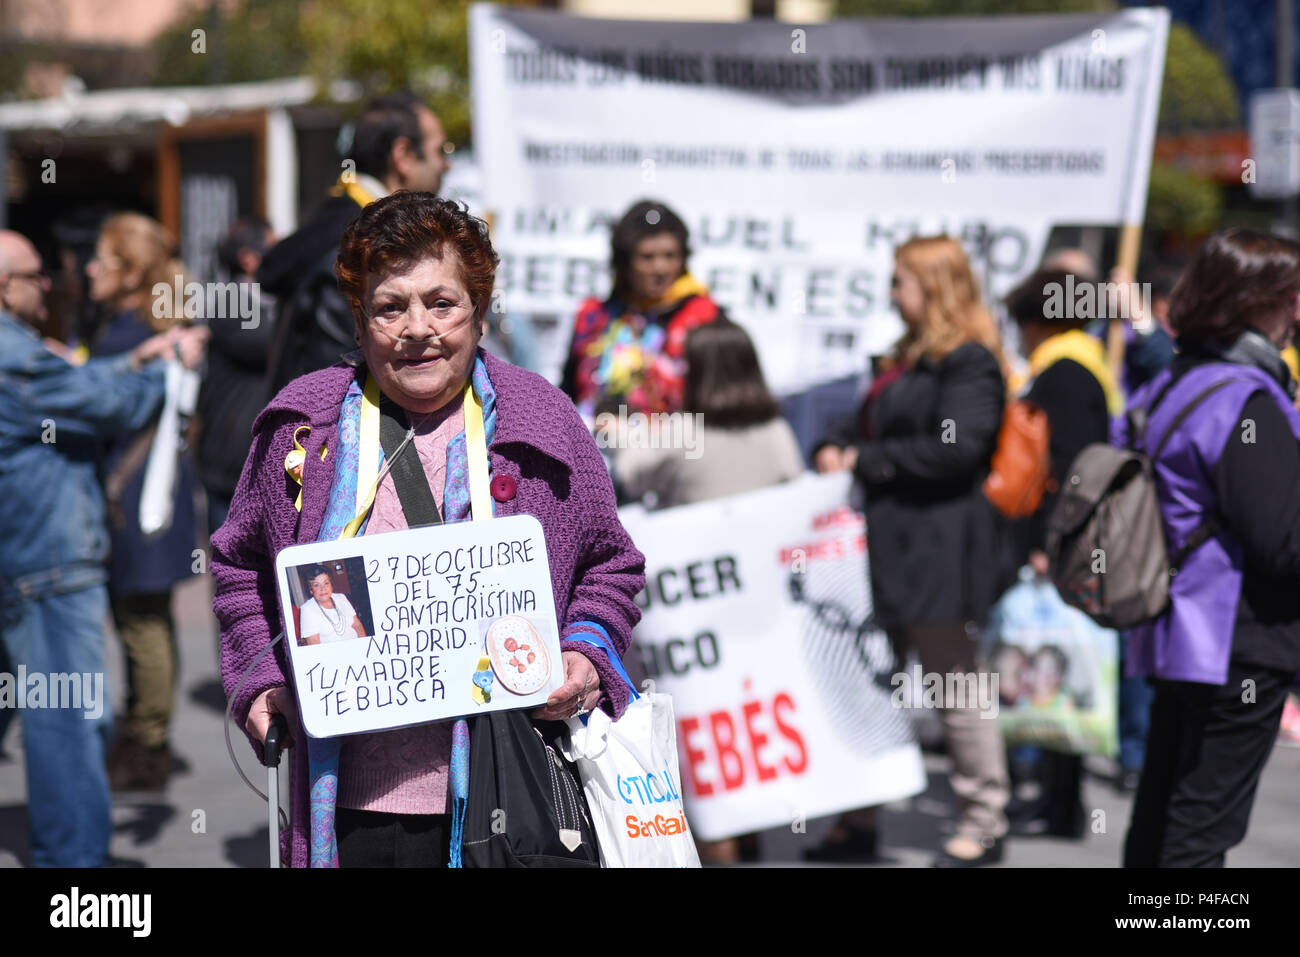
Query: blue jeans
x,y
68,804
1135,697
6,714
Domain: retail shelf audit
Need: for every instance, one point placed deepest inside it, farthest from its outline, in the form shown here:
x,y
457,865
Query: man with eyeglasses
x,y
23,284
54,417
398,143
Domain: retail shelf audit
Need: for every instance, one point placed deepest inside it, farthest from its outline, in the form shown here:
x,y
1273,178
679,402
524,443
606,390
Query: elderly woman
x,y
418,272
630,348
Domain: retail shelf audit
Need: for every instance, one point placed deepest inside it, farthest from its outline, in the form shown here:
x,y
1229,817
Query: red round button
x,y
503,488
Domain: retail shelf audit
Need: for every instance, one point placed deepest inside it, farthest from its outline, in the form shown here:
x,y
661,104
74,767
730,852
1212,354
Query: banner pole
x,y
1126,262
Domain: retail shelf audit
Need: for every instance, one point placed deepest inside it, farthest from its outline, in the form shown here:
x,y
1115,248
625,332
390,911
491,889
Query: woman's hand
x,y
832,458
311,640
270,702
829,458
184,343
359,628
192,345
60,349
581,689
1038,561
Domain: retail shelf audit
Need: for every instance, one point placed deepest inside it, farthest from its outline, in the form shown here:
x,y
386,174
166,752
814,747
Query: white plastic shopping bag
x,y
158,495
630,777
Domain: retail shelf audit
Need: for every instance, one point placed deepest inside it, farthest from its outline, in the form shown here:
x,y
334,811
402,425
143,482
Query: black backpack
x,y
525,800
1106,543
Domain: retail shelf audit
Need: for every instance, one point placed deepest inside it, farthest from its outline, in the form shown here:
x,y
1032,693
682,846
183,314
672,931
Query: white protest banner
x,y
800,156
420,625
757,622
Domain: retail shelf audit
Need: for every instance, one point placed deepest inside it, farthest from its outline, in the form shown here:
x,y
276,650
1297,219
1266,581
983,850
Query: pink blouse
x,y
404,771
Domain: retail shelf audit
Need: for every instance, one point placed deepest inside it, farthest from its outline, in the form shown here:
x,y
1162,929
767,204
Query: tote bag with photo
x,y
1058,671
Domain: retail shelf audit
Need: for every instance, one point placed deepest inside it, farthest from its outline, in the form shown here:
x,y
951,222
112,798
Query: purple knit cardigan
x,y
540,442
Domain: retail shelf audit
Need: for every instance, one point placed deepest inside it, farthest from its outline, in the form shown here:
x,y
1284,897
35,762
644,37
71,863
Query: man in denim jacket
x,y
53,545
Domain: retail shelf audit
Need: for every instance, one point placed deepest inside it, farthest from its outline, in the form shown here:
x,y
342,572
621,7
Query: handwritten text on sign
x,y
457,619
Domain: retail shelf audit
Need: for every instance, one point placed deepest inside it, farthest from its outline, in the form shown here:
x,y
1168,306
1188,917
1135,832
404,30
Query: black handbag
x,y
526,807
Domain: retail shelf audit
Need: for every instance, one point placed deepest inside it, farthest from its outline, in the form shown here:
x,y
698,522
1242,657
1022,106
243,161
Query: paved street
x,y
230,831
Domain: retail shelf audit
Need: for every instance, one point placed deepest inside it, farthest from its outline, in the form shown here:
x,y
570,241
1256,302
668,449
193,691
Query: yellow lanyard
x,y
355,191
480,499
368,478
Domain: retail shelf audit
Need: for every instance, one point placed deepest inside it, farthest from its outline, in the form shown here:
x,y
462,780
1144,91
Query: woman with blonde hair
x,y
133,255
921,445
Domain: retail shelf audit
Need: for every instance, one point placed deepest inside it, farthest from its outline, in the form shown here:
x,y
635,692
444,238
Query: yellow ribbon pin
x,y
294,461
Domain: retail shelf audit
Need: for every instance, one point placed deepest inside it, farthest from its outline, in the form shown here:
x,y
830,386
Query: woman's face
x,y
655,265
419,332
1011,675
322,589
906,294
1280,329
107,274
1047,675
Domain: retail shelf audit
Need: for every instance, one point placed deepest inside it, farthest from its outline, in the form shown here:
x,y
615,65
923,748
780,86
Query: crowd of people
x,y
386,290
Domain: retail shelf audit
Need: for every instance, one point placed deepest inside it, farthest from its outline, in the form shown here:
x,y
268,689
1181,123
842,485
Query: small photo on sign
x,y
519,659
331,601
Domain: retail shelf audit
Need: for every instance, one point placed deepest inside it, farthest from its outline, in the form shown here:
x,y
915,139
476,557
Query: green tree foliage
x,y
383,44
1181,202
253,40
389,44
1198,93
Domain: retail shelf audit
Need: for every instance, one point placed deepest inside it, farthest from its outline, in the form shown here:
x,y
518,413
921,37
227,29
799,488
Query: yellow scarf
x,y
350,187
684,286
1088,352
1292,360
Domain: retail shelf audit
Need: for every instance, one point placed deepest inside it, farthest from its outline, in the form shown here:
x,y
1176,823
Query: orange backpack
x,y
1022,466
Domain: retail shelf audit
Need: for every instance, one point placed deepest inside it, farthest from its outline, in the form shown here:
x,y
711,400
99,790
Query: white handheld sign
x,y
421,625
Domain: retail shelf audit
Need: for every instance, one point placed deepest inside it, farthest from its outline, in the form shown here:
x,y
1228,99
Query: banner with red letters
x,y
757,622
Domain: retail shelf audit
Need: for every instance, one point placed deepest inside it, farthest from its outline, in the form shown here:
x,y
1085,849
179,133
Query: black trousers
x,y
1206,750
376,839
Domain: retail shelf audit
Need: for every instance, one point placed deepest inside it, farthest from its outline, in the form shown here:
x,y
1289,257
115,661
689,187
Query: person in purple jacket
x,y
1224,653
418,273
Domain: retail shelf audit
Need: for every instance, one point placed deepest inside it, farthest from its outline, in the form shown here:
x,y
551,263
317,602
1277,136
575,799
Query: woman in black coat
x,y
921,446
1072,383
132,257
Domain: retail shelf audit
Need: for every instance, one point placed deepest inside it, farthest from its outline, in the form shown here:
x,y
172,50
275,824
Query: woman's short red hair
x,y
405,227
